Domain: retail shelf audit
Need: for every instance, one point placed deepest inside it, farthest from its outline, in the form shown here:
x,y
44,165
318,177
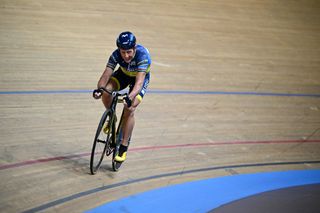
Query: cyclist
x,y
134,71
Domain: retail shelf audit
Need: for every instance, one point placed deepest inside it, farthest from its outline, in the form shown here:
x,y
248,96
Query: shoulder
x,y
142,53
116,54
142,50
114,59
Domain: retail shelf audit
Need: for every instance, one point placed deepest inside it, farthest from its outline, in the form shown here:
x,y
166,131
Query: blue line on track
x,y
174,92
34,92
179,173
208,194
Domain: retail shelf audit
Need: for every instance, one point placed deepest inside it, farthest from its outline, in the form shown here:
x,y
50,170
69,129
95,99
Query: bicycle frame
x,y
112,144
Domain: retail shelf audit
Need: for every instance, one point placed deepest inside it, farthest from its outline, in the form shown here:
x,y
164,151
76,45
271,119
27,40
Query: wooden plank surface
x,y
220,49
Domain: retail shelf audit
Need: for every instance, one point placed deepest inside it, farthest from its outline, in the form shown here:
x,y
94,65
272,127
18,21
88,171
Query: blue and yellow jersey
x,y
140,63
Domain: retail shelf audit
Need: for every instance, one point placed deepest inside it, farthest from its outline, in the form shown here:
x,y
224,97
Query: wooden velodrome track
x,y
235,86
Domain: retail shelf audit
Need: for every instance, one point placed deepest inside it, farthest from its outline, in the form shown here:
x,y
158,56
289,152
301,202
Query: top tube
x,y
123,93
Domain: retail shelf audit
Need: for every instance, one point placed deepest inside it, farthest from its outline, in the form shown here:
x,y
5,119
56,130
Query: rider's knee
x,y
106,99
106,96
129,112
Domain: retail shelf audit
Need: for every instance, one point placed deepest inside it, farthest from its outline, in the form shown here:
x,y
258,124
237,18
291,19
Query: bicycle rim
x,y
100,143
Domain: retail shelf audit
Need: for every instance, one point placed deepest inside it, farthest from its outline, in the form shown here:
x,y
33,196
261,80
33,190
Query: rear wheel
x,y
115,164
101,141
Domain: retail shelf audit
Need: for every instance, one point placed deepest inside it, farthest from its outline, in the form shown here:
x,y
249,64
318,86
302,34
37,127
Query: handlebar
x,y
102,89
113,93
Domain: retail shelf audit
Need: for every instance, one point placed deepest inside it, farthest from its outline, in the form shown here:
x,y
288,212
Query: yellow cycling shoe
x,y
121,158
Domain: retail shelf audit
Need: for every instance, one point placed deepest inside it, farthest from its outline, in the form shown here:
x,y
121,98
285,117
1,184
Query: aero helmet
x,y
126,40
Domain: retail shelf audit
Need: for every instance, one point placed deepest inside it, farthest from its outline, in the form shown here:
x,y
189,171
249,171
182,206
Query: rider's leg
x,y
129,121
128,124
107,98
127,128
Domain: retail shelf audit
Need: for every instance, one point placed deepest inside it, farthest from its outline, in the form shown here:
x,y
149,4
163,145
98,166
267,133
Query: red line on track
x,y
44,160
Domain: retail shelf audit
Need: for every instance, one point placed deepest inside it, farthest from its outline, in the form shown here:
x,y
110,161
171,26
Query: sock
x,y
122,149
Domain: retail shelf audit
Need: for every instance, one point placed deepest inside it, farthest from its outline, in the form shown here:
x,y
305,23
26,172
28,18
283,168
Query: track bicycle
x,y
107,139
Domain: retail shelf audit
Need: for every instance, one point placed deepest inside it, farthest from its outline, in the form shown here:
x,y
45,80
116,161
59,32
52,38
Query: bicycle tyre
x,y
115,164
100,145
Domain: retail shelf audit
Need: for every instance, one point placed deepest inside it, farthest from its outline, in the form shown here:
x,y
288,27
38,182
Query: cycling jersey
x,y
140,63
126,73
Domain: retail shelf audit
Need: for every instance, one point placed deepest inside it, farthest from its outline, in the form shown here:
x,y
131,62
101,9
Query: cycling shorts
x,y
123,81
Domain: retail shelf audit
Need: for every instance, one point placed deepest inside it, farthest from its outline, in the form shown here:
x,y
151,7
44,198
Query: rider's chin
x,y
128,60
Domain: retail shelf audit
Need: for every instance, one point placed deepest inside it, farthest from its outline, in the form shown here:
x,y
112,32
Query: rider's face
x,y
127,55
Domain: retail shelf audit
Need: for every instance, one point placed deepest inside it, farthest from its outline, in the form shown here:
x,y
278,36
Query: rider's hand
x,y
97,93
128,101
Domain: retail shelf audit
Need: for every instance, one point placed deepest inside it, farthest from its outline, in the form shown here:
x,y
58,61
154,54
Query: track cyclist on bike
x,y
134,71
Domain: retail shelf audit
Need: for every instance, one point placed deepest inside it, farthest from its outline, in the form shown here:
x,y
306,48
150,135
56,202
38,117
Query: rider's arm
x,y
138,85
112,63
105,77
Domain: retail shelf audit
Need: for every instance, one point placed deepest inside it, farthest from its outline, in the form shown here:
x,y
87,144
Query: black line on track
x,y
128,182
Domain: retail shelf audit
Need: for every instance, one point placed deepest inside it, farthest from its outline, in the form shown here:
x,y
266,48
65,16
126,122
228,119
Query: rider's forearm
x,y
104,78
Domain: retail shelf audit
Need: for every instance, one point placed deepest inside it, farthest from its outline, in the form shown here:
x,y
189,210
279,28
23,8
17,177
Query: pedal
x,y
109,150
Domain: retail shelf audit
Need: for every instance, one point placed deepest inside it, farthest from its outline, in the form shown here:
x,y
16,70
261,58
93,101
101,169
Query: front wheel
x,y
101,141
